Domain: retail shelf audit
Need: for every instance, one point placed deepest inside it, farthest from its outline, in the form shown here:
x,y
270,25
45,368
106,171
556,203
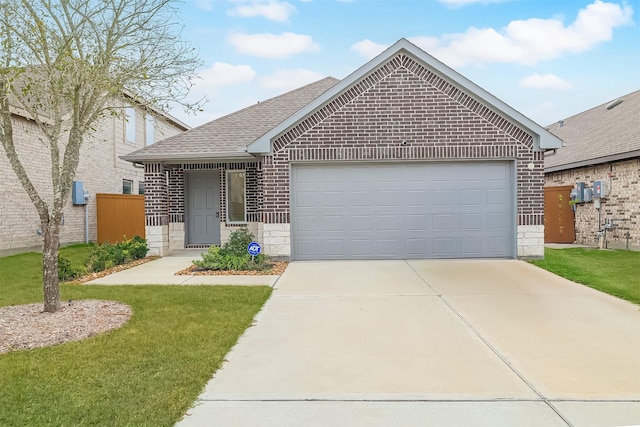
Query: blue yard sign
x,y
253,248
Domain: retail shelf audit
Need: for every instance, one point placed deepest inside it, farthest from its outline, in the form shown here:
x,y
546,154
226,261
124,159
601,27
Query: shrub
x,y
238,242
135,248
105,256
211,260
233,255
65,269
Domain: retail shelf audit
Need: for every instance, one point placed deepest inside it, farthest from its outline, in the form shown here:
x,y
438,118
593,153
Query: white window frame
x,y
130,186
141,188
130,124
228,193
149,130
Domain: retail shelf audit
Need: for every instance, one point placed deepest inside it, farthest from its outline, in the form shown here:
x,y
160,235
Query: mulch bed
x,y
277,269
111,270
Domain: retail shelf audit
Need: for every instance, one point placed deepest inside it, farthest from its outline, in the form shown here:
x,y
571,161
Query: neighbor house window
x,y
236,197
150,133
127,186
130,124
141,187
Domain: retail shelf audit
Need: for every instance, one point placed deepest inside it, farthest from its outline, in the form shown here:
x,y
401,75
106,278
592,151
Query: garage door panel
x,y
414,198
472,197
443,248
362,248
416,222
443,197
331,199
416,248
334,247
360,223
498,197
394,210
472,246
443,222
388,248
471,222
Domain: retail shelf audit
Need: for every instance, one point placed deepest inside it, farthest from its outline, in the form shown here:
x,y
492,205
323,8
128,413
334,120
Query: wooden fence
x,y
559,226
119,215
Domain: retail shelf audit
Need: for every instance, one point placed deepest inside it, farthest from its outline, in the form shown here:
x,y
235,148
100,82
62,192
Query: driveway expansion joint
x,y
493,349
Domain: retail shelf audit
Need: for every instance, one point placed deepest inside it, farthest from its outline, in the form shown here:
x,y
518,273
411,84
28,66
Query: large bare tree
x,y
66,64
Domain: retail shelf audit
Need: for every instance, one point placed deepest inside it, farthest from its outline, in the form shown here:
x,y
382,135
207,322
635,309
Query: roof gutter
x,y
191,158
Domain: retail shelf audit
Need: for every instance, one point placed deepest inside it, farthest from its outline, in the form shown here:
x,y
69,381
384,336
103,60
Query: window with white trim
x,y
127,186
150,130
141,187
236,197
130,124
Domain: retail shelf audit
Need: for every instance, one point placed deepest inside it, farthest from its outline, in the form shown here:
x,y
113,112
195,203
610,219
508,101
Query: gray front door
x,y
403,210
203,208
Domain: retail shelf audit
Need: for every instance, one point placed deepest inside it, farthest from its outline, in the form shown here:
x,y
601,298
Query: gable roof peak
x,y
542,138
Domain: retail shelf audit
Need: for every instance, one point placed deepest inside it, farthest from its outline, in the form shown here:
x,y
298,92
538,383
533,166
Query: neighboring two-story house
x,y
100,170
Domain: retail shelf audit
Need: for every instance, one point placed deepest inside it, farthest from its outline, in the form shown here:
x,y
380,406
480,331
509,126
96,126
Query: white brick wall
x,y
158,240
100,170
176,235
277,239
530,241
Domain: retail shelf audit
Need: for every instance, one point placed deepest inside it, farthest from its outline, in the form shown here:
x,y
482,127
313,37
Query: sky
x,y
548,59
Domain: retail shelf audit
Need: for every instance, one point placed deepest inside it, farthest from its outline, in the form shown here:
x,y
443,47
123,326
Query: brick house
x,y
100,169
602,144
404,158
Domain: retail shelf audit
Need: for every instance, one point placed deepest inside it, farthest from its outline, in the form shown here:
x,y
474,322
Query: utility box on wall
x,y
588,195
579,194
77,193
600,189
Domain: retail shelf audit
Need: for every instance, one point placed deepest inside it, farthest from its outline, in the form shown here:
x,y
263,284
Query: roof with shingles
x,y
230,135
598,135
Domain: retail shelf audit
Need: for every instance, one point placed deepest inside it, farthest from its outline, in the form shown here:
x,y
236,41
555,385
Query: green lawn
x,y
146,373
613,272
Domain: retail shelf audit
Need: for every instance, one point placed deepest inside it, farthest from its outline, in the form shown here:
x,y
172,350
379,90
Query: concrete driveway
x,y
417,343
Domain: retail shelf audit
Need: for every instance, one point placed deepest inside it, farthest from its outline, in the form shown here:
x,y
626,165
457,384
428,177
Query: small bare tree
x,y
66,64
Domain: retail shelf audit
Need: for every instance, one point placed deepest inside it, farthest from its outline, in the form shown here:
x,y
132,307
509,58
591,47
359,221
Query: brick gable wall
x,y
404,101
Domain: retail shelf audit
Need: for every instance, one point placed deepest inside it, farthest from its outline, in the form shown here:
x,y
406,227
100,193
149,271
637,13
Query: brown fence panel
x,y
559,223
120,215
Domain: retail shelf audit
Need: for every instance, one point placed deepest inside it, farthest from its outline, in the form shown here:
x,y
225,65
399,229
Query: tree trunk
x,y
50,284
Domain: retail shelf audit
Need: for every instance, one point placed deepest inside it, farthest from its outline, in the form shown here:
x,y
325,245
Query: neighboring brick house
x,y
602,144
404,158
100,169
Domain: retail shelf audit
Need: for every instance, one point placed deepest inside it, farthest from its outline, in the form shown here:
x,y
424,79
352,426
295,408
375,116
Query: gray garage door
x,y
403,211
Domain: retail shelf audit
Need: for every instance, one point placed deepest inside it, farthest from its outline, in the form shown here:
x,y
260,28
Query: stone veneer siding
x,y
623,201
399,101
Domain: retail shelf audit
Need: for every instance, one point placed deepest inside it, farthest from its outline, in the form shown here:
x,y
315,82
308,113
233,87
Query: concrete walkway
x,y
162,272
419,343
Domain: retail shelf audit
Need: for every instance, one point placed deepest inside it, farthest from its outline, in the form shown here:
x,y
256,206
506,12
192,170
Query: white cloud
x,y
205,4
274,46
286,80
524,41
273,10
545,81
460,3
368,49
223,74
